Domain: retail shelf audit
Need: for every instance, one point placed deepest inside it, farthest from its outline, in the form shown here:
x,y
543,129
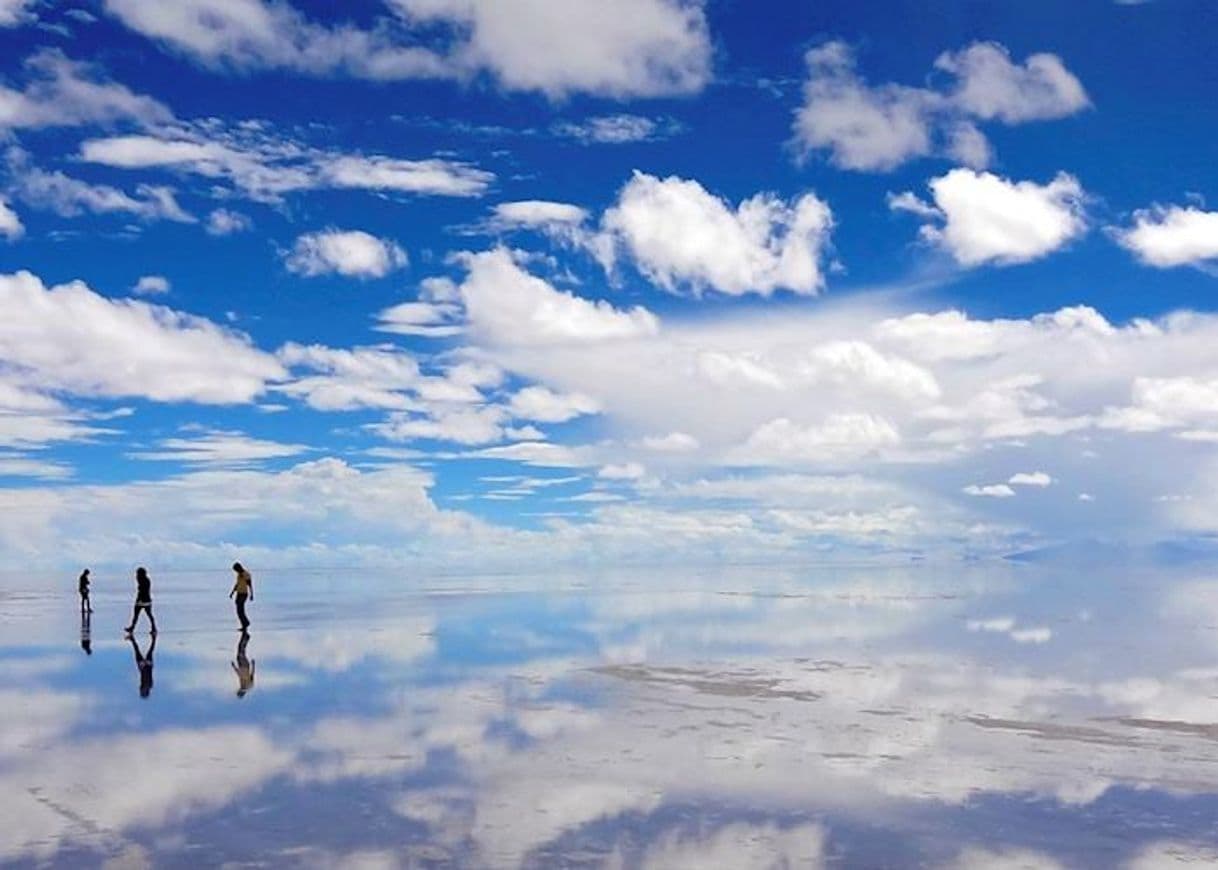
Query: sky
x,y
497,285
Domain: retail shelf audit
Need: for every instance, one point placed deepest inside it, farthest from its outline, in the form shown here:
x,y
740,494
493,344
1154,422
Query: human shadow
x,y
244,667
143,662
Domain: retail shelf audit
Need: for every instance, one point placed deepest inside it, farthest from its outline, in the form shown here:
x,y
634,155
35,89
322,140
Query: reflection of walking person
x,y
143,600
144,663
244,667
86,633
243,589
85,606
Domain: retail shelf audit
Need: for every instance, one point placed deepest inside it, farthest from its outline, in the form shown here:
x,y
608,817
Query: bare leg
x,y
151,619
135,615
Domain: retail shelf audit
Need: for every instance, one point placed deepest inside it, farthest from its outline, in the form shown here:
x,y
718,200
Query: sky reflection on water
x,y
914,717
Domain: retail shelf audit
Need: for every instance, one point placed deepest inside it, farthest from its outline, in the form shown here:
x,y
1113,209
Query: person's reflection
x,y
243,667
86,633
144,663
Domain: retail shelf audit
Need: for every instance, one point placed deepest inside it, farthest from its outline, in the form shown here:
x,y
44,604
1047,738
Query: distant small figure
x,y
243,589
143,600
83,585
86,633
244,667
143,662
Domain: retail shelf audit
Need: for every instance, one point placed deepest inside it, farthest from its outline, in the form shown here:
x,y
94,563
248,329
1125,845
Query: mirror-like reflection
x,y
962,717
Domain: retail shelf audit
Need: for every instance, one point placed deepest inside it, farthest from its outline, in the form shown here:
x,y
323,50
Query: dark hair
x,y
237,566
84,572
141,572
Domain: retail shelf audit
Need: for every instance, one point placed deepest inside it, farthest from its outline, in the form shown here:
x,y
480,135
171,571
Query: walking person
x,y
143,663
86,633
143,600
243,667
83,586
243,588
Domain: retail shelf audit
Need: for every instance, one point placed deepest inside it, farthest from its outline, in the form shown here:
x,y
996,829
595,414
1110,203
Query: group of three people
x,y
242,591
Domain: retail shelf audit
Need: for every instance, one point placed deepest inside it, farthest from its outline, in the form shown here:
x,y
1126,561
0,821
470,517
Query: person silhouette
x,y
86,634
143,600
83,586
243,588
143,662
244,667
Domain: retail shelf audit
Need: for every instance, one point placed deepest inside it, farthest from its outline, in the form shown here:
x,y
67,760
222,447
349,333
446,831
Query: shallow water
x,y
927,716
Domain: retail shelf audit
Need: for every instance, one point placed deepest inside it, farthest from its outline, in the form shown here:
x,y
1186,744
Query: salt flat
x,y
752,717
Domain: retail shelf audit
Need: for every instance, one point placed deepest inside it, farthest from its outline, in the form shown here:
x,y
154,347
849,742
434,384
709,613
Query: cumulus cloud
x,y
992,490
1172,236
1030,478
537,213
69,338
151,285
10,224
681,235
637,48
506,305
63,93
353,253
225,222
72,197
878,127
979,217
546,406
14,12
839,436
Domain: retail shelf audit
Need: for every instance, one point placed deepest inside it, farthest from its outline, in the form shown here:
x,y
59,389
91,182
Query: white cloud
x,y
462,425
637,48
673,442
63,93
431,319
546,406
537,213
989,86
69,338
989,219
10,224
624,471
616,129
839,436
1034,478
265,167
991,490
506,305
225,222
151,285
71,197
679,234
1172,236
219,448
353,253
14,12
879,127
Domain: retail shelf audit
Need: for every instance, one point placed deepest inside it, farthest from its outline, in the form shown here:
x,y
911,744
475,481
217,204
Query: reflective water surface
x,y
975,716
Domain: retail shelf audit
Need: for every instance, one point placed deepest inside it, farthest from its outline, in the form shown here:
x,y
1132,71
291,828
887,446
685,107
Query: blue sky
x,y
465,283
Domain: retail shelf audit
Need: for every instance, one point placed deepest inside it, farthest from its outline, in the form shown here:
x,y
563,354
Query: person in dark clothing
x,y
83,585
243,589
86,634
143,600
244,667
143,663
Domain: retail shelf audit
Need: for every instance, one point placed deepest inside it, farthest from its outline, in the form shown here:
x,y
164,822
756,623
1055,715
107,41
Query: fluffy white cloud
x,y
151,285
1172,236
10,224
353,253
990,490
71,197
225,222
637,48
537,213
69,338
680,234
839,436
1032,478
988,219
14,12
878,127
507,306
546,406
989,86
435,177
63,93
